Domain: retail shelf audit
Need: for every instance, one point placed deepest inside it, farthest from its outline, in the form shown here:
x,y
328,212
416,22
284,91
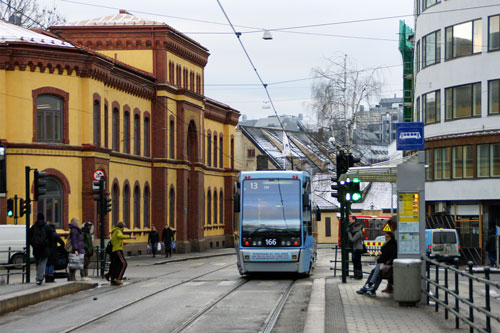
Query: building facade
x,y
457,96
125,96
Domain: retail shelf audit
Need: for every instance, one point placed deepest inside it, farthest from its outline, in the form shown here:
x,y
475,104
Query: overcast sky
x,y
370,39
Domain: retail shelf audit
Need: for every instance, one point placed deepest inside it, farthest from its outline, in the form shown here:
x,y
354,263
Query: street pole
x,y
28,211
102,215
15,209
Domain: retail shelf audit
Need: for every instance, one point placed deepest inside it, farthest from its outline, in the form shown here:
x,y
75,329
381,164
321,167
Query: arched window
x,y
221,207
106,125
137,135
137,208
215,206
172,208
221,152
116,130
146,207
178,73
51,203
192,143
97,123
146,137
126,206
209,207
215,150
49,118
172,139
114,203
126,132
209,150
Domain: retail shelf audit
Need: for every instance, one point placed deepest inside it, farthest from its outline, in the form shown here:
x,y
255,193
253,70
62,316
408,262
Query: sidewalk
x,y
17,295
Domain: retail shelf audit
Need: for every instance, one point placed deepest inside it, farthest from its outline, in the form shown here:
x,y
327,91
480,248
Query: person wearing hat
x,y
39,237
75,234
118,263
88,245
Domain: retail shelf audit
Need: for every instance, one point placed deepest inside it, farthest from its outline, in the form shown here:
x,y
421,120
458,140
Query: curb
x,y
26,298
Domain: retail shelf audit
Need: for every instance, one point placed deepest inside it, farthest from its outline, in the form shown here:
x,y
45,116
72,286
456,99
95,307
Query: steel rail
x,y
271,320
121,307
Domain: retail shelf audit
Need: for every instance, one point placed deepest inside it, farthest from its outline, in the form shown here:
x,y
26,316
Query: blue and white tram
x,y
275,229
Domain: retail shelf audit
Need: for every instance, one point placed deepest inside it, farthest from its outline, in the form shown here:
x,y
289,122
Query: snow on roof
x,y
13,33
378,197
123,18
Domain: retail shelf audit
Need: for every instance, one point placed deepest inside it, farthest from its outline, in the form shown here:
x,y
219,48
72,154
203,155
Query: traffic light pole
x,y
15,209
28,212
102,217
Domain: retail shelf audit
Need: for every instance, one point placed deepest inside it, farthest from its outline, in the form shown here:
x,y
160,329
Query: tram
x,y
275,228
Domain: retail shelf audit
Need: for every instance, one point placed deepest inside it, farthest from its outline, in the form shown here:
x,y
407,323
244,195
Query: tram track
x,y
144,297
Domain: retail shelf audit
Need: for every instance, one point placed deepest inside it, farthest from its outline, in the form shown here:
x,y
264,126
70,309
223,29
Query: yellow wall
x,y
334,224
184,64
142,59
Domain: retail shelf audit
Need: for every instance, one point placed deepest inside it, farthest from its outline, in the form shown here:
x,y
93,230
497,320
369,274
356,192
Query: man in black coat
x,y
153,240
39,237
53,257
389,253
168,236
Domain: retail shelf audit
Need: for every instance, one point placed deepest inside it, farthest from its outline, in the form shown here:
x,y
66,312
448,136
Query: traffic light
x,y
3,170
351,160
353,192
10,207
107,205
337,188
40,183
98,189
342,163
23,207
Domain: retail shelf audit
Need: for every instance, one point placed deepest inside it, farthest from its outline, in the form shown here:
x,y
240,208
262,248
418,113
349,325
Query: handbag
x,y
109,248
75,261
173,245
158,247
68,246
365,250
386,271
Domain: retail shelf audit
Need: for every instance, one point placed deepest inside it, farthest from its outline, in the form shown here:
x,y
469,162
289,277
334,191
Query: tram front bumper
x,y
269,260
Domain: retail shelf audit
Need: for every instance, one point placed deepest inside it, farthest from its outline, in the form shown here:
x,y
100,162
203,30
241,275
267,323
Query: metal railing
x,y
468,302
335,269
9,267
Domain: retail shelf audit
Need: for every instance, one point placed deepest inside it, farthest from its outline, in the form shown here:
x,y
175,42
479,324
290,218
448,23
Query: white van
x,y
442,243
13,237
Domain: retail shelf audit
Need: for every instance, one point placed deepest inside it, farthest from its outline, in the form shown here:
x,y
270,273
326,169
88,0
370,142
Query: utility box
x,y
407,280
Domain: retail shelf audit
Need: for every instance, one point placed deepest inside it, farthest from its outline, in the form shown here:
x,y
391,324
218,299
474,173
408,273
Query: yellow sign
x,y
387,228
409,207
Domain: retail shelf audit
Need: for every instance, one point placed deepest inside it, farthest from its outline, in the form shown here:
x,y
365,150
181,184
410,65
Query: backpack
x,y
39,237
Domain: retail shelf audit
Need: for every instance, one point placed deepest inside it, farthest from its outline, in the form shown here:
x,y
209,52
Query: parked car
x,y
13,237
442,243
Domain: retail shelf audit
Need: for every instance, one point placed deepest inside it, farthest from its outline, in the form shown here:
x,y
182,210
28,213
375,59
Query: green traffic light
x,y
356,196
356,180
10,213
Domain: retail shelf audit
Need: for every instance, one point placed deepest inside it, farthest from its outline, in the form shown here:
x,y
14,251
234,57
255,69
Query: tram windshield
x,y
271,206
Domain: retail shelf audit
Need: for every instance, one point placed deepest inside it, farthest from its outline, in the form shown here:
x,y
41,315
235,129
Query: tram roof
x,y
274,173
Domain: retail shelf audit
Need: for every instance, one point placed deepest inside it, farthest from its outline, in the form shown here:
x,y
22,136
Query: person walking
x,y
153,240
88,245
389,253
39,237
75,234
355,233
53,253
491,248
168,236
118,263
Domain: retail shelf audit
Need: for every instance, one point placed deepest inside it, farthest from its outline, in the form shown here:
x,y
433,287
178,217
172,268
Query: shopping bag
x,y
173,245
149,249
158,247
75,261
68,246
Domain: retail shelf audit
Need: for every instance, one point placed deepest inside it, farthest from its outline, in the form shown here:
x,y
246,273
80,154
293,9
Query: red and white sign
x,y
98,174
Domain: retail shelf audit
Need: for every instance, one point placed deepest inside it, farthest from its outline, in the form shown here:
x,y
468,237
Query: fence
x,y
13,265
469,302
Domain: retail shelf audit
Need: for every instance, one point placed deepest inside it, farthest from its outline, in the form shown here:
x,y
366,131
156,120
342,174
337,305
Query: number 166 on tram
x,y
275,230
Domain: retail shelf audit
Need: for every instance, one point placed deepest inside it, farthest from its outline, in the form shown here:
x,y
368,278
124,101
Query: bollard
x,y
471,295
487,298
437,288
446,292
457,292
428,271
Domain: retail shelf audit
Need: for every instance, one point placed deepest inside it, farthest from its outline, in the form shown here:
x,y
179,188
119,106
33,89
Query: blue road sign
x,y
410,136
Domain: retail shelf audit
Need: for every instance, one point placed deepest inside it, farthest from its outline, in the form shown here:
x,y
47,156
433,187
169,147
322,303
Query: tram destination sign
x,y
410,136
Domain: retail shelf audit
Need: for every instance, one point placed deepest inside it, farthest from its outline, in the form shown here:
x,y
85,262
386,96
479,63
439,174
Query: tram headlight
x,y
259,243
288,243
283,243
254,243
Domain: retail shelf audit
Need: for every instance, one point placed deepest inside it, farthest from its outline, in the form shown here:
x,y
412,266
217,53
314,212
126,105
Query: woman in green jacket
x,y
118,263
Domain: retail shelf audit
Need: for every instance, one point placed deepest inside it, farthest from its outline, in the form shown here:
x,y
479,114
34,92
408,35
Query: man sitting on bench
x,y
383,269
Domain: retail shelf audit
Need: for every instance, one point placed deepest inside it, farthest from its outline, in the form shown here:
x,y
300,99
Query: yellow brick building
x,y
125,96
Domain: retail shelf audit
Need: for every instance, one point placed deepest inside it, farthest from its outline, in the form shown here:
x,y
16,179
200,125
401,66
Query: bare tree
x,y
338,91
30,14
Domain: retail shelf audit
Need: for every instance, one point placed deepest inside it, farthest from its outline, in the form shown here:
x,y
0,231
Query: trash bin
x,y
407,280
